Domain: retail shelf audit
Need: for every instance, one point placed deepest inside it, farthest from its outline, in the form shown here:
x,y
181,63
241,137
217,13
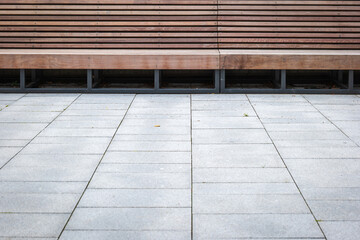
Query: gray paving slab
x,y
161,104
131,219
149,146
20,131
153,122
98,106
325,172
12,96
159,111
300,127
32,225
37,202
118,234
226,122
331,193
245,175
64,148
144,168
6,153
334,99
229,136
244,188
276,98
314,143
157,116
341,230
72,140
92,112
335,210
42,187
131,198
105,98
219,97
40,117
77,132
152,137
140,180
236,155
61,160
248,204
221,105
223,113
338,115
86,124
314,135
52,174
147,157
255,226
319,152
13,142
153,130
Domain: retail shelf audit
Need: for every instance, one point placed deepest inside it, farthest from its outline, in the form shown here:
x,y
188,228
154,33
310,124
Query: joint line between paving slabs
x,y
102,157
286,167
191,170
331,122
40,131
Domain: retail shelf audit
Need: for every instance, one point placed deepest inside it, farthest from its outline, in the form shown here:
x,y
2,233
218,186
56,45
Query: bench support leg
x,y
351,80
89,80
157,80
22,79
217,78
222,81
283,79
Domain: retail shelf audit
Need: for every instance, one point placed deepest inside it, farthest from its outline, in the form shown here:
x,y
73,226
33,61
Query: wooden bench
x,y
180,34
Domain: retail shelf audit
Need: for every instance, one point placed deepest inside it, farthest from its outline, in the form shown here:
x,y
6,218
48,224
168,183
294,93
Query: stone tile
x,y
244,175
105,98
142,137
34,108
289,114
248,204
141,180
226,122
219,97
255,226
276,98
325,172
117,234
244,188
13,143
221,105
157,116
334,99
338,107
75,161
91,112
32,225
64,148
131,198
300,127
6,153
319,152
144,168
161,104
295,120
54,174
147,157
335,210
40,117
223,113
163,122
86,124
230,136
314,143
72,140
322,135
89,119
159,111
11,96
98,106
37,203
341,230
341,115
150,146
42,187
76,132
330,193
20,131
236,155
41,101
131,219
153,130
